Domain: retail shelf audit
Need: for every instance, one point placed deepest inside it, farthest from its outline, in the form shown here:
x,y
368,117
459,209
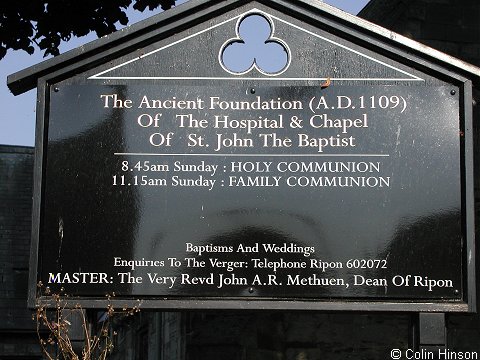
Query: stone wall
x,y
294,335
451,26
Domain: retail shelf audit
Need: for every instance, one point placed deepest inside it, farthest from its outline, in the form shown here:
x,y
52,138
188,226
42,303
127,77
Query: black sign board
x,y
240,184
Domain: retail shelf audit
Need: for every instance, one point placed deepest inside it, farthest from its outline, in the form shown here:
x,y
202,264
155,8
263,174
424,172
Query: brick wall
x,y
17,330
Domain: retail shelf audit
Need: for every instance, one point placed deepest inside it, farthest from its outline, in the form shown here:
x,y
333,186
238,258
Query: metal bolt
x,y
252,91
456,292
453,92
56,89
250,290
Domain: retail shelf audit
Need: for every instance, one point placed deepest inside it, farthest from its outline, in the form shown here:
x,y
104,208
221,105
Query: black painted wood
x,y
179,50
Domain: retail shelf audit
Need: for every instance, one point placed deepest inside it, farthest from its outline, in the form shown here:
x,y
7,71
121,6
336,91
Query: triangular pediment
x,y
184,44
312,54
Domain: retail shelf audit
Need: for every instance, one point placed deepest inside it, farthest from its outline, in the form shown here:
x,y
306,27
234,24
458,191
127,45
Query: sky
x,y
17,115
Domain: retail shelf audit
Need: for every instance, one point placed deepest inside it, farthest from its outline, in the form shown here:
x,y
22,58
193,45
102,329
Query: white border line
x,y
415,78
257,155
255,10
244,78
96,76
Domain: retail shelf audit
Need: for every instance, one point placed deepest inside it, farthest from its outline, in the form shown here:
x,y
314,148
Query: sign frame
x,y
365,34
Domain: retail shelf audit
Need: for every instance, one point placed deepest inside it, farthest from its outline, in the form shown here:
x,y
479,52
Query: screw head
x,y
252,91
453,92
250,290
56,89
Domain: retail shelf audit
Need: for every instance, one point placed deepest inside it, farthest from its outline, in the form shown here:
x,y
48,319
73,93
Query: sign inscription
x,y
283,192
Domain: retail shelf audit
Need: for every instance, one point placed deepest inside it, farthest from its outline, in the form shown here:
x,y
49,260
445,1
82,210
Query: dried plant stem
x,y
54,337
